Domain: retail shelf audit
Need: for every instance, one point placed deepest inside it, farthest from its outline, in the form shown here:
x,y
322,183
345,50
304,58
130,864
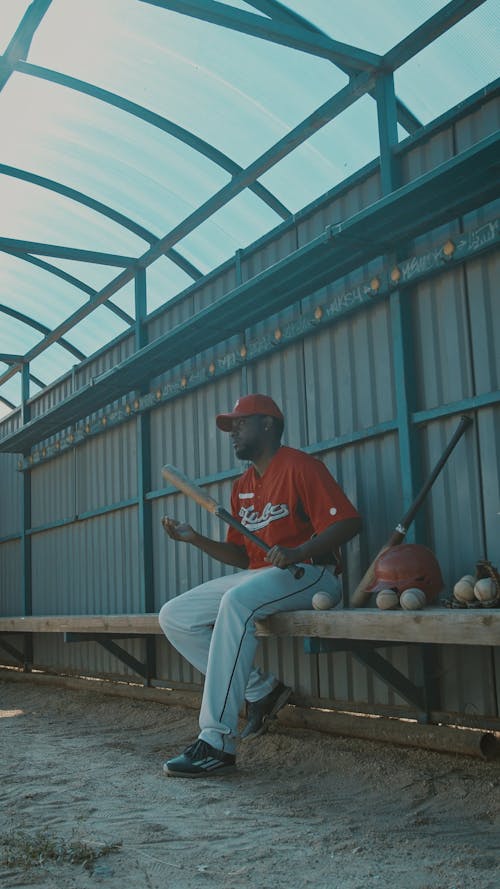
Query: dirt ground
x,y
83,802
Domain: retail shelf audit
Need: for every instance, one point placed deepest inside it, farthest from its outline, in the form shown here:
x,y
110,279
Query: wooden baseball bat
x,y
180,481
362,592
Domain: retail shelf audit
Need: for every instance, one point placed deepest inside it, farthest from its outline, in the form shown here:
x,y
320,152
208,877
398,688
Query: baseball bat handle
x,y
402,527
296,570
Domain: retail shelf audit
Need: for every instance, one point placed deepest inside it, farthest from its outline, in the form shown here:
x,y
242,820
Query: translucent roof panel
x,y
128,121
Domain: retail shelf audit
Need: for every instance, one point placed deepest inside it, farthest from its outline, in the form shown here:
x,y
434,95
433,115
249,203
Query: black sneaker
x,y
199,759
261,712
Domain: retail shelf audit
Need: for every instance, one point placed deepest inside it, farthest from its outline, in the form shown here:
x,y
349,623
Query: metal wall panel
x,y
106,469
467,681
451,520
10,578
489,493
174,438
90,567
268,251
440,341
10,495
11,422
53,490
480,122
196,297
42,402
349,374
104,360
481,282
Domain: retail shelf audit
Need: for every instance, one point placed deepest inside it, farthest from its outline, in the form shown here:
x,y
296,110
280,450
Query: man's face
x,y
247,436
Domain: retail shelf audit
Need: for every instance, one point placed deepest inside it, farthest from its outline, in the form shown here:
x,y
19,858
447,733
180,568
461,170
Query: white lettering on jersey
x,y
271,513
246,496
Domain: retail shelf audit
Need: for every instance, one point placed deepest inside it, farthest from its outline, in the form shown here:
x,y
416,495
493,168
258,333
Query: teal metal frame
x,y
281,26
145,521
455,187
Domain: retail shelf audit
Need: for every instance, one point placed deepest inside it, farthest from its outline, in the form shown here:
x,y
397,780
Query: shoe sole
x,y
225,770
278,705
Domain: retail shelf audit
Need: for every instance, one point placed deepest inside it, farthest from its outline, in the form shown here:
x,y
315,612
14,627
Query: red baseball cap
x,y
248,406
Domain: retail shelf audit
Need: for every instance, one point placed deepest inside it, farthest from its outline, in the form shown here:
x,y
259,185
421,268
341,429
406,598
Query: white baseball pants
x,y
213,627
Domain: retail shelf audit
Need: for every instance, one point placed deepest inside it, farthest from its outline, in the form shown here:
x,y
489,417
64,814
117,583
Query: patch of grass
x,y
22,849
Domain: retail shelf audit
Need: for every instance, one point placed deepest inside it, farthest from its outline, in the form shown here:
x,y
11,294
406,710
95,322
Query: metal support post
x,y
26,549
145,521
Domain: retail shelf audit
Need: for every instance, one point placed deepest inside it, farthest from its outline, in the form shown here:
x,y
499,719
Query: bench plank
x,y
478,626
83,623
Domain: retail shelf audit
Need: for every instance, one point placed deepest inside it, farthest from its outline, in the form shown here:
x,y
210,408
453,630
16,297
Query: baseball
x,y
387,599
464,589
322,601
485,590
413,599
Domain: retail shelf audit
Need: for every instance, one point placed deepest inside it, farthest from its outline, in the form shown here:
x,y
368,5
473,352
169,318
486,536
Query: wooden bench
x,y
441,626
359,631
110,624
362,631
102,628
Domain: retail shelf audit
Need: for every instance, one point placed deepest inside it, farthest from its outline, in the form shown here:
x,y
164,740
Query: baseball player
x,y
293,503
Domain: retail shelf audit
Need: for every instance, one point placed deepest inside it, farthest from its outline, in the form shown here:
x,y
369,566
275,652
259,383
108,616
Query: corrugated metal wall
x,y
340,389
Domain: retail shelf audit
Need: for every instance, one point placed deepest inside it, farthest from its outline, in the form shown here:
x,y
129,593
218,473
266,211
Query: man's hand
x,y
228,553
282,556
178,530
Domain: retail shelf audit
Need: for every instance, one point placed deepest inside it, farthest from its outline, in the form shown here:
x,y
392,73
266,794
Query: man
x,y
293,503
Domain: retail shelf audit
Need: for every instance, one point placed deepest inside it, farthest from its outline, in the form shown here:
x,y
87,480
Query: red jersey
x,y
294,499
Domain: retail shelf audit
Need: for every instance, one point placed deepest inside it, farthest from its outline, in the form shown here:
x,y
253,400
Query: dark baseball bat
x,y
180,481
362,592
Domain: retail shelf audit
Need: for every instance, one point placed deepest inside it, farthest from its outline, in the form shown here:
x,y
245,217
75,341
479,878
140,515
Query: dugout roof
x,y
167,135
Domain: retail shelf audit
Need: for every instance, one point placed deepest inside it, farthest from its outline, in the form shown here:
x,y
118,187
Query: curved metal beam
x,y
7,403
70,279
42,328
300,38
95,256
85,199
19,46
156,120
358,87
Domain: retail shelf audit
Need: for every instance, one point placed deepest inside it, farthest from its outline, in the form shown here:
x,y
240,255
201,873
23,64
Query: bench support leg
x,y
420,697
24,657
143,669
